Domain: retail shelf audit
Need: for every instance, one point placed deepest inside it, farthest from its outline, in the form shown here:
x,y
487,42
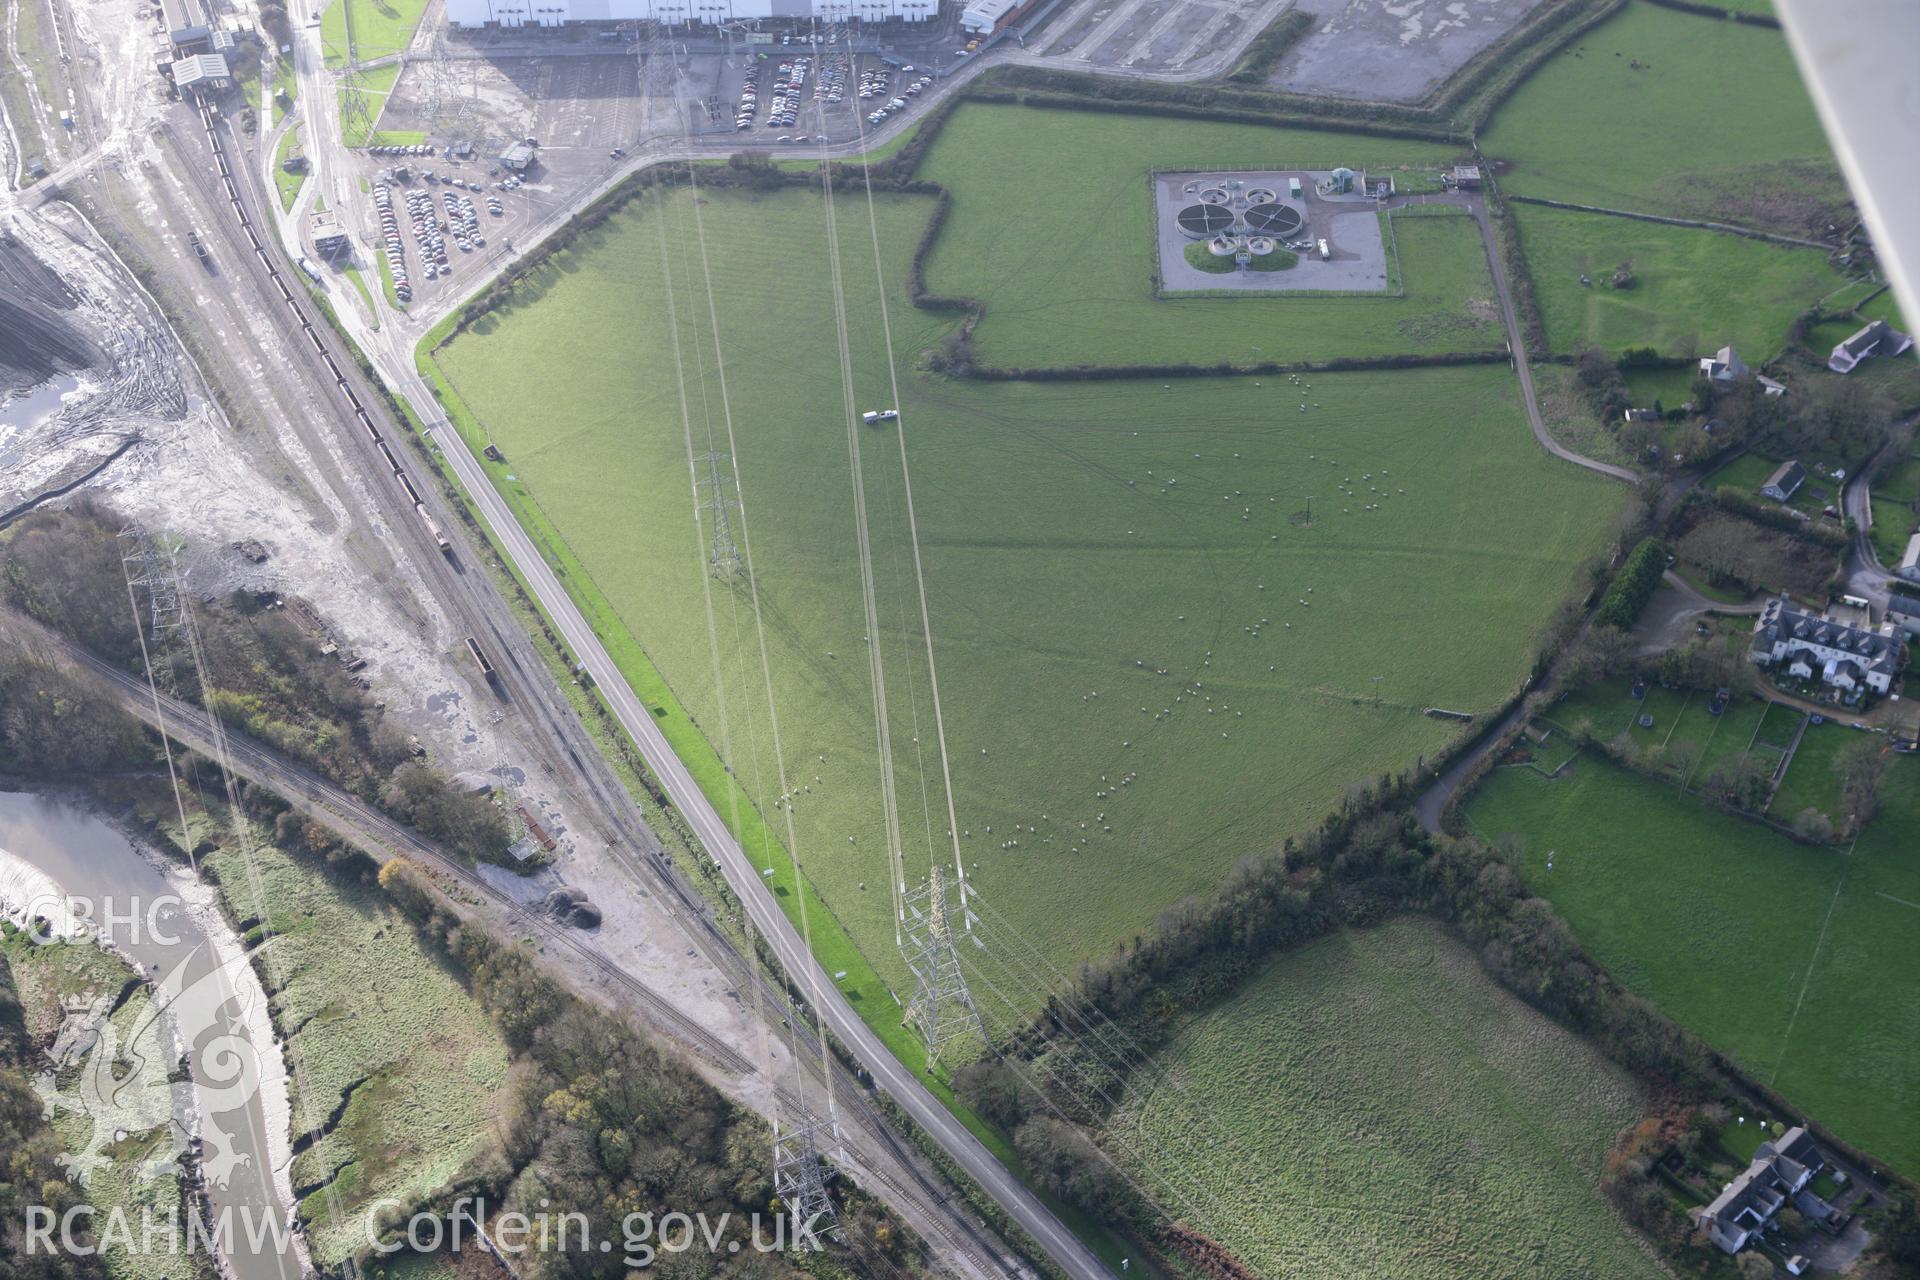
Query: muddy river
x,y
79,874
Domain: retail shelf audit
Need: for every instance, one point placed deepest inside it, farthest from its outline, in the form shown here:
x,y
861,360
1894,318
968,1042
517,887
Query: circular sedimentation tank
x,y
1214,195
1223,246
1272,218
1261,195
1260,246
1204,221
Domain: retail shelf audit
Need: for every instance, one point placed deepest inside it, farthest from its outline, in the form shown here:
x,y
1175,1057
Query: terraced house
x,y
1840,655
1777,1176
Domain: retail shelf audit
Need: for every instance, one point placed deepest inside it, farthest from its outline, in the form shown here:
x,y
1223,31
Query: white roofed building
x,y
201,71
558,13
983,17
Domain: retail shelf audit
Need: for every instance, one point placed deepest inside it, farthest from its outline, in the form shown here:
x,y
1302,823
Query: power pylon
x,y
448,91
357,115
942,1008
799,1179
155,581
722,496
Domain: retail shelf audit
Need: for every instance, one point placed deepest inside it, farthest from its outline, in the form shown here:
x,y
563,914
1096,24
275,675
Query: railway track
x,y
312,335
910,1182
366,826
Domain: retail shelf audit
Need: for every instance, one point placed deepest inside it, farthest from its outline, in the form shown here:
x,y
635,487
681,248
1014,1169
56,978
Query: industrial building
x,y
201,71
557,13
186,21
328,233
517,158
984,17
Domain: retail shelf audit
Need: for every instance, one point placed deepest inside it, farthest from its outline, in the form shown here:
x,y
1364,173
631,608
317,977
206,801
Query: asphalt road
x,y
550,727
698,813
382,838
390,350
1516,344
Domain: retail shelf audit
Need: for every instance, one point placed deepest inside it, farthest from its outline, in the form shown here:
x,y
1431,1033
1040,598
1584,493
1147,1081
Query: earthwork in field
x,y
1671,897
1172,621
1685,291
1356,1075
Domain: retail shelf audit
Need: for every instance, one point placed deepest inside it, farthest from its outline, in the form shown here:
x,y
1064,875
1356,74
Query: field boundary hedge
x,y
1475,91
1633,586
1217,100
1339,364
1270,46
1505,229
1741,503
1698,224
1720,12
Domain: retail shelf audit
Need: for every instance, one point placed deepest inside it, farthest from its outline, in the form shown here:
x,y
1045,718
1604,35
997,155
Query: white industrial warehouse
x,y
555,13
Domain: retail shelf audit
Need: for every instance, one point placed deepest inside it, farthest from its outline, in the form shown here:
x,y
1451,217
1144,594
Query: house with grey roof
x,y
1725,367
1909,566
1903,611
1876,339
1784,482
1776,1177
1809,646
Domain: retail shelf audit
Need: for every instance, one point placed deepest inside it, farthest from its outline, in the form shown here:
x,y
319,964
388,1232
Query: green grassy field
x,y
1748,471
1670,896
1854,1052
1893,526
1713,124
1687,741
375,86
1605,709
1662,708
1896,507
1778,727
1811,782
1064,264
1672,386
1695,290
284,80
1732,737
1392,1112
1079,540
366,1012
287,184
380,27
1572,420
45,976
1884,306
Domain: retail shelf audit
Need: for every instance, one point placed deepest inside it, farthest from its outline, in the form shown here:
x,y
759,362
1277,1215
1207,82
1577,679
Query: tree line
x,y
1368,861
1633,586
264,673
604,1123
